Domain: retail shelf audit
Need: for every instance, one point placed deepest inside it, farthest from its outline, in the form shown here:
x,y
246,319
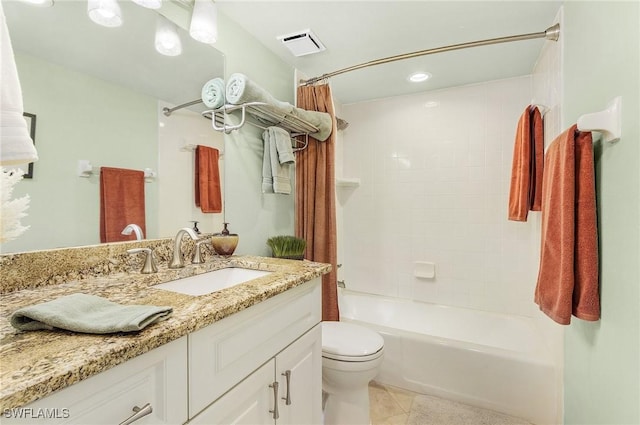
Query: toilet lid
x,y
346,340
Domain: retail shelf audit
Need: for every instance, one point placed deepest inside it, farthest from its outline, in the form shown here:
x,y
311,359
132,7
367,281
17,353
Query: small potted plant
x,y
288,247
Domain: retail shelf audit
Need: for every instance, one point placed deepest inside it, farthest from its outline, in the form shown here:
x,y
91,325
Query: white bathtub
x,y
489,360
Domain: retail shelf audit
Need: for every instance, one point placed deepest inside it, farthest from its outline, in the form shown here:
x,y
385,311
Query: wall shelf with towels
x,y
265,117
607,122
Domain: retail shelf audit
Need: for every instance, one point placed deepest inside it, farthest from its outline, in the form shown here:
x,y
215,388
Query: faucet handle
x,y
197,255
149,262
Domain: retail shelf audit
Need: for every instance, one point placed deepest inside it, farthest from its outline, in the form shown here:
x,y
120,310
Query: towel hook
x,y
607,122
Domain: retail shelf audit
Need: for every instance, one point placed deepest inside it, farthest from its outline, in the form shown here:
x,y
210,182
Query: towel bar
x,y
190,147
86,169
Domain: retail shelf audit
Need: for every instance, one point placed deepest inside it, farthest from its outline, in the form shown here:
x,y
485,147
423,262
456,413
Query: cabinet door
x,y
223,354
248,403
157,378
302,362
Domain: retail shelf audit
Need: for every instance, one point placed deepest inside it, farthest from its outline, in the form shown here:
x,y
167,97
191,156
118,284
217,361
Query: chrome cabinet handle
x,y
276,415
138,413
287,399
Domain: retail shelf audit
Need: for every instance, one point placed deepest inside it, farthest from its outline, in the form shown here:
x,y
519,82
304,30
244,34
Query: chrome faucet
x,y
133,228
197,255
176,258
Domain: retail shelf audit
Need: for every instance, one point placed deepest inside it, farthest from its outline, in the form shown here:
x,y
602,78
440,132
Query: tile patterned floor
x,y
395,406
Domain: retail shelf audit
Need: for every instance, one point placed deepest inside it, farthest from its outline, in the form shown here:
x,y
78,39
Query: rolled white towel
x,y
321,120
241,89
213,93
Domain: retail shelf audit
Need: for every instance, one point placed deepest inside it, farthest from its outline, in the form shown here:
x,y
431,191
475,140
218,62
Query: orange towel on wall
x,y
207,180
528,160
121,203
568,275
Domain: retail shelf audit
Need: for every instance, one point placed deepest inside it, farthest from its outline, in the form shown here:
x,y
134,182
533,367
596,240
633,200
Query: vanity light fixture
x,y
149,4
419,77
39,3
204,21
105,12
167,39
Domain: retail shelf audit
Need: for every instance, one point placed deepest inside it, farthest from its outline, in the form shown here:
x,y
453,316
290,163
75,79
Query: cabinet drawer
x,y
223,354
158,378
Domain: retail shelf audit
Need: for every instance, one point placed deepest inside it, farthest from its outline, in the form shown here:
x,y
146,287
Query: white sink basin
x,y
213,281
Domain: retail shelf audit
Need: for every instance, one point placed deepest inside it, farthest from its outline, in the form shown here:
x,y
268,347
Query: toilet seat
x,y
350,343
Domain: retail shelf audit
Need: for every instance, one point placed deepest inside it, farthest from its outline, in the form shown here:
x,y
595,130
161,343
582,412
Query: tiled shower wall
x,y
435,170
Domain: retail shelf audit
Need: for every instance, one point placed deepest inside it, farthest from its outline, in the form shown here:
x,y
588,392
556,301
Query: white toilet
x,y
351,357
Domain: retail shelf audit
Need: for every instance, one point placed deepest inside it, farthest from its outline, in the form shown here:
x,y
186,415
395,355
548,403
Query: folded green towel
x,y
87,314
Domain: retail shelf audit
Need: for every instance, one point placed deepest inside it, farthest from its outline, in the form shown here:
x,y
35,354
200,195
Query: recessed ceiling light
x,y
419,77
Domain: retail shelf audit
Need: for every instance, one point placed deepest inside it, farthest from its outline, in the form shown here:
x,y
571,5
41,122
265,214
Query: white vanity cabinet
x,y
227,372
155,381
286,390
236,365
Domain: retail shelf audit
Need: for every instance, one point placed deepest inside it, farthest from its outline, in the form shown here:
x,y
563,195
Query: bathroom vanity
x,y
250,351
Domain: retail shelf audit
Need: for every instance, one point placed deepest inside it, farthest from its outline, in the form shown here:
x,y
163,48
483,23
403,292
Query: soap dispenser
x,y
225,243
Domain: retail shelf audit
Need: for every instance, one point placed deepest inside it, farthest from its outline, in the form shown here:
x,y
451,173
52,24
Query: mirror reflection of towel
x,y
121,203
207,180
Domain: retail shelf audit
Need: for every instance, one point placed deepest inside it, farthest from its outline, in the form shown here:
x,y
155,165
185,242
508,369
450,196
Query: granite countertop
x,y
37,363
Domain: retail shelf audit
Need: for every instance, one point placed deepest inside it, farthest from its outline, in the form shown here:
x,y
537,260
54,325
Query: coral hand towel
x,y
568,275
121,203
528,160
207,180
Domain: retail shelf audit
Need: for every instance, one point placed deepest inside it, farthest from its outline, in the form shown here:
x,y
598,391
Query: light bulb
x,y
204,21
105,12
167,39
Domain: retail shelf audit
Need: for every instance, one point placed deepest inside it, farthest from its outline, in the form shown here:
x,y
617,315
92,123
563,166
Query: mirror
x,y
97,94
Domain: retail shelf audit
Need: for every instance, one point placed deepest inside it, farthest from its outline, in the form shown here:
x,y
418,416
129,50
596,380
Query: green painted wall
x,y
602,359
253,215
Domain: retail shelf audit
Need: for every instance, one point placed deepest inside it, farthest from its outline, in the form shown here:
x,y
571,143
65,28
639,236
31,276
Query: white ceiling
x,y
359,31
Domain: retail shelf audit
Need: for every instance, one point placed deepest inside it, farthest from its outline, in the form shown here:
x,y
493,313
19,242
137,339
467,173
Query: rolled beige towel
x,y
320,120
240,89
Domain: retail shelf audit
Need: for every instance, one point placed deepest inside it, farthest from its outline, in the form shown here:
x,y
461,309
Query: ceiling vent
x,y
302,43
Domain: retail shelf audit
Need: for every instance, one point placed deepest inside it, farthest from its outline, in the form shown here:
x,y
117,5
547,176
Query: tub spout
x,y
176,258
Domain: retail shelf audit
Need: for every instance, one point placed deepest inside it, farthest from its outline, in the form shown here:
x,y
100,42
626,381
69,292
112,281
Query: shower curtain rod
x,y
550,33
